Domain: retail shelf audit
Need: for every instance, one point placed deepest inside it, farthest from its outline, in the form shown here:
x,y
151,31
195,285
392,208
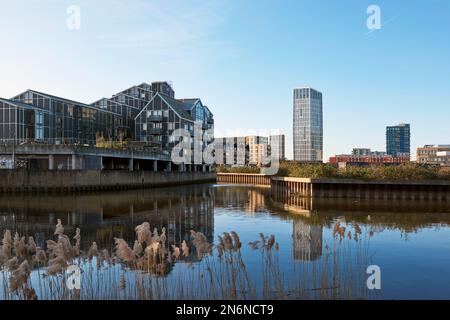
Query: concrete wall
x,y
344,188
19,181
350,188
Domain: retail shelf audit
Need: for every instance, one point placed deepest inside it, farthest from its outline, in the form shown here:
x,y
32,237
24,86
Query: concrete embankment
x,y
25,181
345,188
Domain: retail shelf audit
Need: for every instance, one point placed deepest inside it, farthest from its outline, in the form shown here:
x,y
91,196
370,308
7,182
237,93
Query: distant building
x,y
231,151
398,140
358,158
278,142
242,151
308,125
360,152
434,154
258,150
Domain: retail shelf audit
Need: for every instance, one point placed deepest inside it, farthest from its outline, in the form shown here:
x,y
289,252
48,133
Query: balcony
x,y
210,120
154,118
154,131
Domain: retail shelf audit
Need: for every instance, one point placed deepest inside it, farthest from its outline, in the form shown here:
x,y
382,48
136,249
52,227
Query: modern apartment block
x,y
277,145
231,151
258,150
438,154
242,151
308,125
144,115
398,140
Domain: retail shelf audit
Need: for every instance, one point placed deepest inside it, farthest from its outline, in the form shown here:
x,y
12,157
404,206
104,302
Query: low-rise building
x,y
344,160
438,154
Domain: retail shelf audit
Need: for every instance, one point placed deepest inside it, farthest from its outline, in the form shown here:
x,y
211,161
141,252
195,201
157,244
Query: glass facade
x,y
138,114
398,140
163,114
308,125
57,120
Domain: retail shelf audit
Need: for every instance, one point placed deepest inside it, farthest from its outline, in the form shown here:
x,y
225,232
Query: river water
x,y
323,247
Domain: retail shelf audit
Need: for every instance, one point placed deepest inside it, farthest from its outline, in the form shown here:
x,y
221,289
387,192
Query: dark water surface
x,y
409,241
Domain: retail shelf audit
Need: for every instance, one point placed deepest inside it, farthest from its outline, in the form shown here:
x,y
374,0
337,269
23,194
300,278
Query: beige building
x,y
257,150
242,151
434,154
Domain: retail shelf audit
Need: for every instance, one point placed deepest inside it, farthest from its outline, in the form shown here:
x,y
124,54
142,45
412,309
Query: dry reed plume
x,y
140,271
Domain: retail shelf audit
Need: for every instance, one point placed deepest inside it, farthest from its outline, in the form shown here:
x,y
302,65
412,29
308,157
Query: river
x,y
322,249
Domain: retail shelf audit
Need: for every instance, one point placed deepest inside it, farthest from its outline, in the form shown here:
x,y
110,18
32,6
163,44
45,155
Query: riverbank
x,y
25,181
345,188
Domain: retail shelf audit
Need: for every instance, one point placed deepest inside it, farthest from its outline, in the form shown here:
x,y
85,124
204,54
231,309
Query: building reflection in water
x,y
103,216
310,215
252,200
307,240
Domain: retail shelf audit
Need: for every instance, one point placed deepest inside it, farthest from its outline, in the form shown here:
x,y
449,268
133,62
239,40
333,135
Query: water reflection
x,y
101,217
335,238
307,240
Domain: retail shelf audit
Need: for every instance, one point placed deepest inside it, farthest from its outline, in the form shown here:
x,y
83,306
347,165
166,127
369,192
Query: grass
x,y
151,269
404,172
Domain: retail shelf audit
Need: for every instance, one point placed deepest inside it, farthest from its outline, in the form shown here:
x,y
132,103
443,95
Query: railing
x,y
244,178
154,131
154,118
44,149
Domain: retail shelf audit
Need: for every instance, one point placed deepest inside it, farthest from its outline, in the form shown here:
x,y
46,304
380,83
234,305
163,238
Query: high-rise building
x,y
277,145
308,125
398,140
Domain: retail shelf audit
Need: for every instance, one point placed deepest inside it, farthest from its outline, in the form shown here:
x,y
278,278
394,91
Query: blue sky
x,y
243,58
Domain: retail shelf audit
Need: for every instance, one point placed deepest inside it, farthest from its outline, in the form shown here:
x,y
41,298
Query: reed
x,y
153,269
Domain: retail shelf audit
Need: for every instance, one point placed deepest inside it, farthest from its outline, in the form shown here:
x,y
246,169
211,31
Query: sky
x,y
243,59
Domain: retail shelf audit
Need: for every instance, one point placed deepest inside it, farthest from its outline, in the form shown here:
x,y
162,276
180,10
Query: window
x,y
39,121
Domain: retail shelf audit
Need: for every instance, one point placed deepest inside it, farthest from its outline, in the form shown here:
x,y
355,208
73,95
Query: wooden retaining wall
x,y
244,178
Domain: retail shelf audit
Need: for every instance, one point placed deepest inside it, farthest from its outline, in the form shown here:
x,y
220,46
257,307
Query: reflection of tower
x,y
307,240
255,201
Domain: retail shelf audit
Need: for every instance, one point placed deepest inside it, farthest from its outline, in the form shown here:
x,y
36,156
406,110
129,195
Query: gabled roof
x,y
175,104
105,99
54,97
178,105
63,99
189,103
22,105
140,86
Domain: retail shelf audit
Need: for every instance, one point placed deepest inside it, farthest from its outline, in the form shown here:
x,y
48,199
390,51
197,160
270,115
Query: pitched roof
x,y
178,105
22,105
58,98
188,104
63,99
